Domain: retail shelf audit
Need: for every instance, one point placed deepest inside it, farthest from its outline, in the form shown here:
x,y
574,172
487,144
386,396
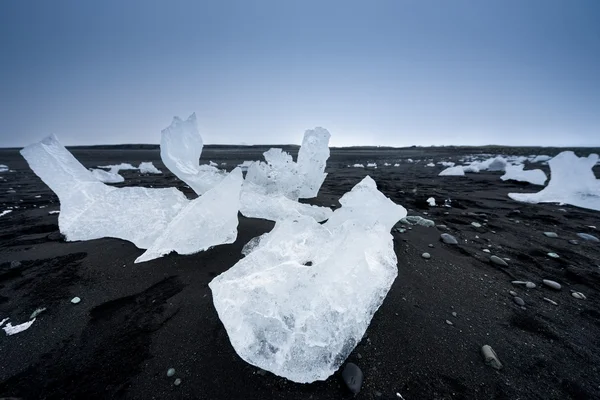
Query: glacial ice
x,y
572,181
3,213
305,293
9,329
92,210
540,158
371,165
491,164
276,207
312,159
213,164
245,165
430,165
446,163
358,166
107,177
114,169
149,168
207,221
431,201
516,173
180,150
453,171
3,168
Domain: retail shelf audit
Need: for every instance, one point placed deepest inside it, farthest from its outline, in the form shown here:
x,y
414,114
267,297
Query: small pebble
x,y
498,261
551,284
578,295
170,372
513,293
530,285
553,255
490,357
550,301
519,301
426,256
448,239
591,238
449,322
476,224
486,250
75,300
573,241
430,245
551,234
15,264
37,312
353,377
454,314
177,382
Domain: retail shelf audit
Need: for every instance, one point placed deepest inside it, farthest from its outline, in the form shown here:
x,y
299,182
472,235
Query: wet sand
x,y
136,321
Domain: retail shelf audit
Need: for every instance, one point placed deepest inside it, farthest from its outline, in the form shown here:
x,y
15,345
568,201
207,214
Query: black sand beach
x,y
136,321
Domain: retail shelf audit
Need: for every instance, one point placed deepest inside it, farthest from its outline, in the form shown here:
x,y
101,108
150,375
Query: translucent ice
x,y
245,165
312,159
371,165
276,207
516,173
9,329
572,181
453,171
430,165
207,221
358,166
3,168
446,163
540,158
180,149
114,169
305,293
149,168
107,177
90,209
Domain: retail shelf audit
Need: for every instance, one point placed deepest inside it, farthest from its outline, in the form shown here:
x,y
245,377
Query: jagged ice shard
x,y
180,150
92,210
572,181
305,293
207,221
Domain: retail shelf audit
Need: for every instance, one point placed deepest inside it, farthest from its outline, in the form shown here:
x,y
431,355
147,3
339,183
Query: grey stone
x,y
552,284
530,285
449,322
551,234
353,377
454,314
426,256
578,295
573,241
490,357
448,239
430,245
443,227
519,301
170,372
177,382
553,255
498,261
550,301
476,224
512,293
586,236
486,250
75,300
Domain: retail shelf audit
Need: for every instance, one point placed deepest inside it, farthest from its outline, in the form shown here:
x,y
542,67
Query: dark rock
x,y
353,377
55,236
15,264
519,301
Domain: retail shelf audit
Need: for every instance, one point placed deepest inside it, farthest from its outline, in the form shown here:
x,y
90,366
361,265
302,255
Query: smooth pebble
x,y
498,261
551,234
75,300
170,372
578,295
426,256
551,284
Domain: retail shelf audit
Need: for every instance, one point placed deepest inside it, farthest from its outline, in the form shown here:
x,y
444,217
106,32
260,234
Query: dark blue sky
x,y
521,72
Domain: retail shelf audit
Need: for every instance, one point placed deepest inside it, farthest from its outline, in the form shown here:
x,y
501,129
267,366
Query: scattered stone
x,y
454,314
426,256
578,295
37,312
530,285
498,261
359,356
400,230
416,220
55,236
449,322
551,234
177,382
573,241
519,301
476,224
490,357
15,264
513,293
448,239
75,300
430,245
550,301
353,377
591,238
552,284
443,227
378,394
170,372
553,255
494,232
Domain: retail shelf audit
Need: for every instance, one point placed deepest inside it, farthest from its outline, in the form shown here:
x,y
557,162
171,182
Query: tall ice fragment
x,y
305,293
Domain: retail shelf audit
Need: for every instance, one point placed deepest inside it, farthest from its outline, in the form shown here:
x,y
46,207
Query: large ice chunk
x,y
572,181
453,171
312,159
207,221
516,173
305,293
107,177
180,150
90,209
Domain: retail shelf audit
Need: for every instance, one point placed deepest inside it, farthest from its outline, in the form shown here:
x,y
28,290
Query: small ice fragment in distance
x,y
223,163
92,210
3,321
358,166
516,173
213,164
453,171
54,212
3,168
430,165
37,312
107,177
180,150
302,299
371,165
114,169
540,158
3,213
431,201
446,163
12,330
386,164
207,221
572,181
409,160
149,168
396,165
75,300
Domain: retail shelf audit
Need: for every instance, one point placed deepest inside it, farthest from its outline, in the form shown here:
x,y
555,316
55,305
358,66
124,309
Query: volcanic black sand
x,y
137,320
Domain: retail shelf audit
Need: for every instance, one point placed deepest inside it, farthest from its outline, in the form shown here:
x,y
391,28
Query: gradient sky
x,y
398,72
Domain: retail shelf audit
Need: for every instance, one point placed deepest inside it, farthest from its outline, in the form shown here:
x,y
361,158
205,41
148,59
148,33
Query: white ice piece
x,y
431,202
12,330
213,164
149,168
245,165
207,221
540,158
358,166
371,165
516,173
396,165
410,160
114,169
446,163
312,159
572,181
277,207
453,171
91,209
180,150
495,164
305,293
386,164
3,168
3,213
107,177
430,165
